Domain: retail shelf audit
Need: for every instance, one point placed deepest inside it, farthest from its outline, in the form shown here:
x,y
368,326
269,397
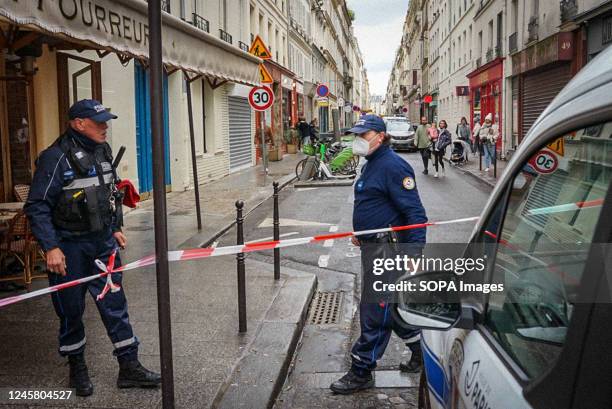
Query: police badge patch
x,y
408,183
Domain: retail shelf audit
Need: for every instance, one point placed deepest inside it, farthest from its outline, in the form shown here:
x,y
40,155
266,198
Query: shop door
x,y
144,147
79,78
17,142
239,133
539,89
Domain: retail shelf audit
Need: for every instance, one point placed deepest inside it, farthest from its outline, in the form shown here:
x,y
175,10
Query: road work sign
x,y
264,75
259,49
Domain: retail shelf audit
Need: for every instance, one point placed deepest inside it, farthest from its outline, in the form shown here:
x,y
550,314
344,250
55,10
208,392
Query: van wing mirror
x,y
435,310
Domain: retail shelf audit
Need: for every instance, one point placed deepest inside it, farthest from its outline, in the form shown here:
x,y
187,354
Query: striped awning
x,y
122,26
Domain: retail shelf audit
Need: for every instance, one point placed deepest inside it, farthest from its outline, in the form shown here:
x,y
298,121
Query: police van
x,y
546,340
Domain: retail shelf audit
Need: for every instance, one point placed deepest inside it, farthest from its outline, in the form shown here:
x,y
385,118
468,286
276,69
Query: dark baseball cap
x,y
92,109
368,123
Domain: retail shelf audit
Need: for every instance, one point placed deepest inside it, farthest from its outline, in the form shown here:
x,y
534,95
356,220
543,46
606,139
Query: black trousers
x,y
438,159
425,156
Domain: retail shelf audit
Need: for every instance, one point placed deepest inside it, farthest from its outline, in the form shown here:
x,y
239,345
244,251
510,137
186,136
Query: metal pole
x,y
264,147
194,167
495,161
159,200
480,147
242,316
276,233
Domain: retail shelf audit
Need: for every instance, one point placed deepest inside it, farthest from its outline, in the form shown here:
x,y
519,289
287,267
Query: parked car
x,y
401,132
545,341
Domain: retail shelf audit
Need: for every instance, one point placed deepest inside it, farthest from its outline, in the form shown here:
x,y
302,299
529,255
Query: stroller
x,y
459,154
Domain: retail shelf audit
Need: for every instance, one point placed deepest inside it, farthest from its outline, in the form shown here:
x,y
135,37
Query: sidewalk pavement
x,y
212,362
472,168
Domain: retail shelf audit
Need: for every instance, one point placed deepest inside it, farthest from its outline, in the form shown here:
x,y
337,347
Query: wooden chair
x,y
14,243
21,192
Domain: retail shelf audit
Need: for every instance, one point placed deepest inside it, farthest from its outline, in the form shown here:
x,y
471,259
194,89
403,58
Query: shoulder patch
x,y
408,183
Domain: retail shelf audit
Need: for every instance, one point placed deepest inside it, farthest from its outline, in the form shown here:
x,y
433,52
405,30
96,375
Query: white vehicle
x,y
401,132
545,342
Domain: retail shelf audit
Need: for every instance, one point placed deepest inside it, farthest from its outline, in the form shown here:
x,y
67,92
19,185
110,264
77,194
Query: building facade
x,y
507,58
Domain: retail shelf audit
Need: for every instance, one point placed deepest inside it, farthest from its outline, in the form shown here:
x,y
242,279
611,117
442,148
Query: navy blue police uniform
x,y
385,195
71,206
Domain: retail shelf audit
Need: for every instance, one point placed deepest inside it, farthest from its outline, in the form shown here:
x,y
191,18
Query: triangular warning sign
x,y
259,49
557,146
264,75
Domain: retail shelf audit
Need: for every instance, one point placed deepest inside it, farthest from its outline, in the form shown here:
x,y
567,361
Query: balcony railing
x,y
243,46
200,22
165,5
569,9
513,43
532,29
225,36
252,38
478,62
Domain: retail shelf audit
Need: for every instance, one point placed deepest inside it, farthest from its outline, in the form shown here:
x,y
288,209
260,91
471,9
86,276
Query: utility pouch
x,y
81,160
95,222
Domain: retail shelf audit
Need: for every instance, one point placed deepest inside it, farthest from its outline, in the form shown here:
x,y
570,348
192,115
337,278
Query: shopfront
x,y
541,72
486,94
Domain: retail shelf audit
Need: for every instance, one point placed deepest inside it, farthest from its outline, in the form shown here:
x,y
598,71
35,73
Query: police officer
x,y
74,209
385,195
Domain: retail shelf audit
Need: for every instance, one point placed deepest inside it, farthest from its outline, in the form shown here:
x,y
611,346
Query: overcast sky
x,y
378,28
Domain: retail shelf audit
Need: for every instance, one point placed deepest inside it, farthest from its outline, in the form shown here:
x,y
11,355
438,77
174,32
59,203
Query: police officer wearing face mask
x,y
385,195
74,209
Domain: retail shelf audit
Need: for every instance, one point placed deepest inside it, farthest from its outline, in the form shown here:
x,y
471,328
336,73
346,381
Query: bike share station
x,y
330,160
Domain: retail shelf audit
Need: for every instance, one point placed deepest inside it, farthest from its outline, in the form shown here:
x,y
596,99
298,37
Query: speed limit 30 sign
x,y
544,162
261,98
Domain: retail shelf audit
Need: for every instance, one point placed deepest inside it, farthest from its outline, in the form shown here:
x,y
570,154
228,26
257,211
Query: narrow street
x,y
323,352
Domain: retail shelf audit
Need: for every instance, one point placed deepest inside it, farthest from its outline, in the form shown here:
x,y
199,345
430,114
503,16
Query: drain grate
x,y
325,308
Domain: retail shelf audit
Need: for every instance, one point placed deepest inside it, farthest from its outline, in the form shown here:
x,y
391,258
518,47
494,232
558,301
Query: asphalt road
x,y
322,354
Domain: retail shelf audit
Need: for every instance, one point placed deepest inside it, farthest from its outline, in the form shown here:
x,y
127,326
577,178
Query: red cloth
x,y
131,196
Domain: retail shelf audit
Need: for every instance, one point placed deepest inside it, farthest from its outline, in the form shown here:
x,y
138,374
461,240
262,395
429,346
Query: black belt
x,y
376,238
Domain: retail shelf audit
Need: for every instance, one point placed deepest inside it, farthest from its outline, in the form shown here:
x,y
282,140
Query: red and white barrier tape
x,y
194,254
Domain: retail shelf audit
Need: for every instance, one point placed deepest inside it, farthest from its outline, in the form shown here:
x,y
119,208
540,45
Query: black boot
x,y
416,361
133,374
79,378
351,383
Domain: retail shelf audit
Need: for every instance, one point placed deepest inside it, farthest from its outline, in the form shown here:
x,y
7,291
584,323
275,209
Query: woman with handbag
x,y
487,135
442,141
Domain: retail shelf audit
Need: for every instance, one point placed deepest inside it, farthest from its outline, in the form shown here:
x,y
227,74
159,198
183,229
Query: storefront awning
x,y
122,26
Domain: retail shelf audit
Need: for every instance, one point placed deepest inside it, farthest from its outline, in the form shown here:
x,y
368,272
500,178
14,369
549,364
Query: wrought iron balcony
x,y
569,9
532,29
165,5
490,55
225,36
513,43
200,22
243,46
478,62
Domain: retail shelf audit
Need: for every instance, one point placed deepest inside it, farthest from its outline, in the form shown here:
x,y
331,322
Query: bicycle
x,y
332,161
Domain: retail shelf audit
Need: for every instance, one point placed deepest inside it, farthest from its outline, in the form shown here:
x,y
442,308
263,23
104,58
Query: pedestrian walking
x,y
385,195
443,140
304,130
476,139
314,130
487,136
464,133
74,208
422,143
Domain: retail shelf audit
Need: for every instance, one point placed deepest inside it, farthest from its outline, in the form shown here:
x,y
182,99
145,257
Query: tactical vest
x,y
89,201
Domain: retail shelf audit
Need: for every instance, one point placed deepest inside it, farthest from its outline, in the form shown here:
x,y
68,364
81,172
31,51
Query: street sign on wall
x,y
322,90
261,98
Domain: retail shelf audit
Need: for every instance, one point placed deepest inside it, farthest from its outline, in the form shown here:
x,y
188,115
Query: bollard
x,y
276,225
495,163
242,318
479,157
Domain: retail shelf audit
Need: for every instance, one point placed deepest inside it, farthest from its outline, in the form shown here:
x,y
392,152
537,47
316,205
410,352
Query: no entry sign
x,y
544,162
322,90
261,98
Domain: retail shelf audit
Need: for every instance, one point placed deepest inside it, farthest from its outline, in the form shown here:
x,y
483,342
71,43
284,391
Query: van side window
x,y
553,210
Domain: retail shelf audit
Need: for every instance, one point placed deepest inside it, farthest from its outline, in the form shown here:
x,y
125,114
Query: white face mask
x,y
361,146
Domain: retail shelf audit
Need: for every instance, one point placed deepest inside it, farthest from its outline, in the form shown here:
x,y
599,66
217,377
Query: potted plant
x,y
291,139
274,147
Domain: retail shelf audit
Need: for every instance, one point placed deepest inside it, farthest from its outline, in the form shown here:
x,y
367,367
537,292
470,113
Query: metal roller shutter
x,y
539,89
239,133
